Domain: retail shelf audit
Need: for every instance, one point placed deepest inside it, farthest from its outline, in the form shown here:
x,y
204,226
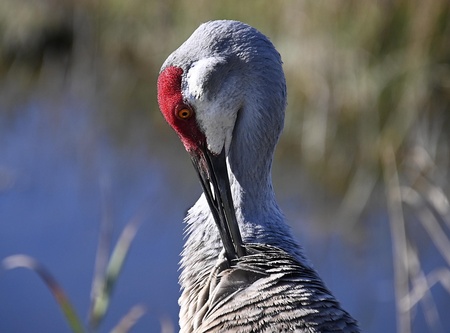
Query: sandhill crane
x,y
223,91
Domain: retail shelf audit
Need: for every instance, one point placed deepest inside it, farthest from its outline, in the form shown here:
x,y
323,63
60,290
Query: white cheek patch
x,y
216,117
196,77
218,127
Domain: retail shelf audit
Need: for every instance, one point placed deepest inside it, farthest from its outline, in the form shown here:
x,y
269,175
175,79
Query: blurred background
x,y
361,171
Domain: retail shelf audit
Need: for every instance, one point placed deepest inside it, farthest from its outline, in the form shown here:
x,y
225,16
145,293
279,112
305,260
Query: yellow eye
x,y
184,113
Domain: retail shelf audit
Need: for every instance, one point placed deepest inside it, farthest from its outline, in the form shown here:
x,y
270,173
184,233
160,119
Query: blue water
x,y
59,175
61,171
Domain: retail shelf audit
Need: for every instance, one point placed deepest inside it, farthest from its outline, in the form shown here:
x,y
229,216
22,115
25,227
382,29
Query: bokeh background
x,y
361,171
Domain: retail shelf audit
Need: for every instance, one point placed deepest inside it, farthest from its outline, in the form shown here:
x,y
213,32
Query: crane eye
x,y
184,113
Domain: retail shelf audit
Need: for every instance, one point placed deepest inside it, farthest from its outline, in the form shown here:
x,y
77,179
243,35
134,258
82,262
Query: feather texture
x,y
267,291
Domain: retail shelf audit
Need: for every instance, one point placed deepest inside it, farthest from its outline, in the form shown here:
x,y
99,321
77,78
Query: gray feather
x,y
268,291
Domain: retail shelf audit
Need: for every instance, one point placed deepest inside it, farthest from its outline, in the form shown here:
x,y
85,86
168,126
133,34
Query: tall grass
x,y
369,99
104,281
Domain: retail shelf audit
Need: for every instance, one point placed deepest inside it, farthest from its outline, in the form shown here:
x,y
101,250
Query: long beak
x,y
213,174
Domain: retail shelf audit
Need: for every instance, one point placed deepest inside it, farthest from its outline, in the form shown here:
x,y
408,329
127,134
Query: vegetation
x,y
369,98
106,275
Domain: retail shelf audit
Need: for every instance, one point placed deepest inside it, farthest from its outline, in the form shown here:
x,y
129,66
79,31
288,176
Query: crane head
x,y
203,111
225,81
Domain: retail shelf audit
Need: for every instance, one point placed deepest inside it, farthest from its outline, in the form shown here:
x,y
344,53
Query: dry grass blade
x,y
439,201
24,261
420,281
357,197
429,222
167,325
399,240
103,294
102,254
130,319
441,275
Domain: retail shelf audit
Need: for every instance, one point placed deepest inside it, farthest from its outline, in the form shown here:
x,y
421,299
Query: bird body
x,y
223,91
268,290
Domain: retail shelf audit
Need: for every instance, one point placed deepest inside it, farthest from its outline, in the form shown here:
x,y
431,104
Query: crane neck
x,y
251,183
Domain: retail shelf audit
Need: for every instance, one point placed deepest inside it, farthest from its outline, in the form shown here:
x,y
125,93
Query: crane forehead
x,y
169,89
